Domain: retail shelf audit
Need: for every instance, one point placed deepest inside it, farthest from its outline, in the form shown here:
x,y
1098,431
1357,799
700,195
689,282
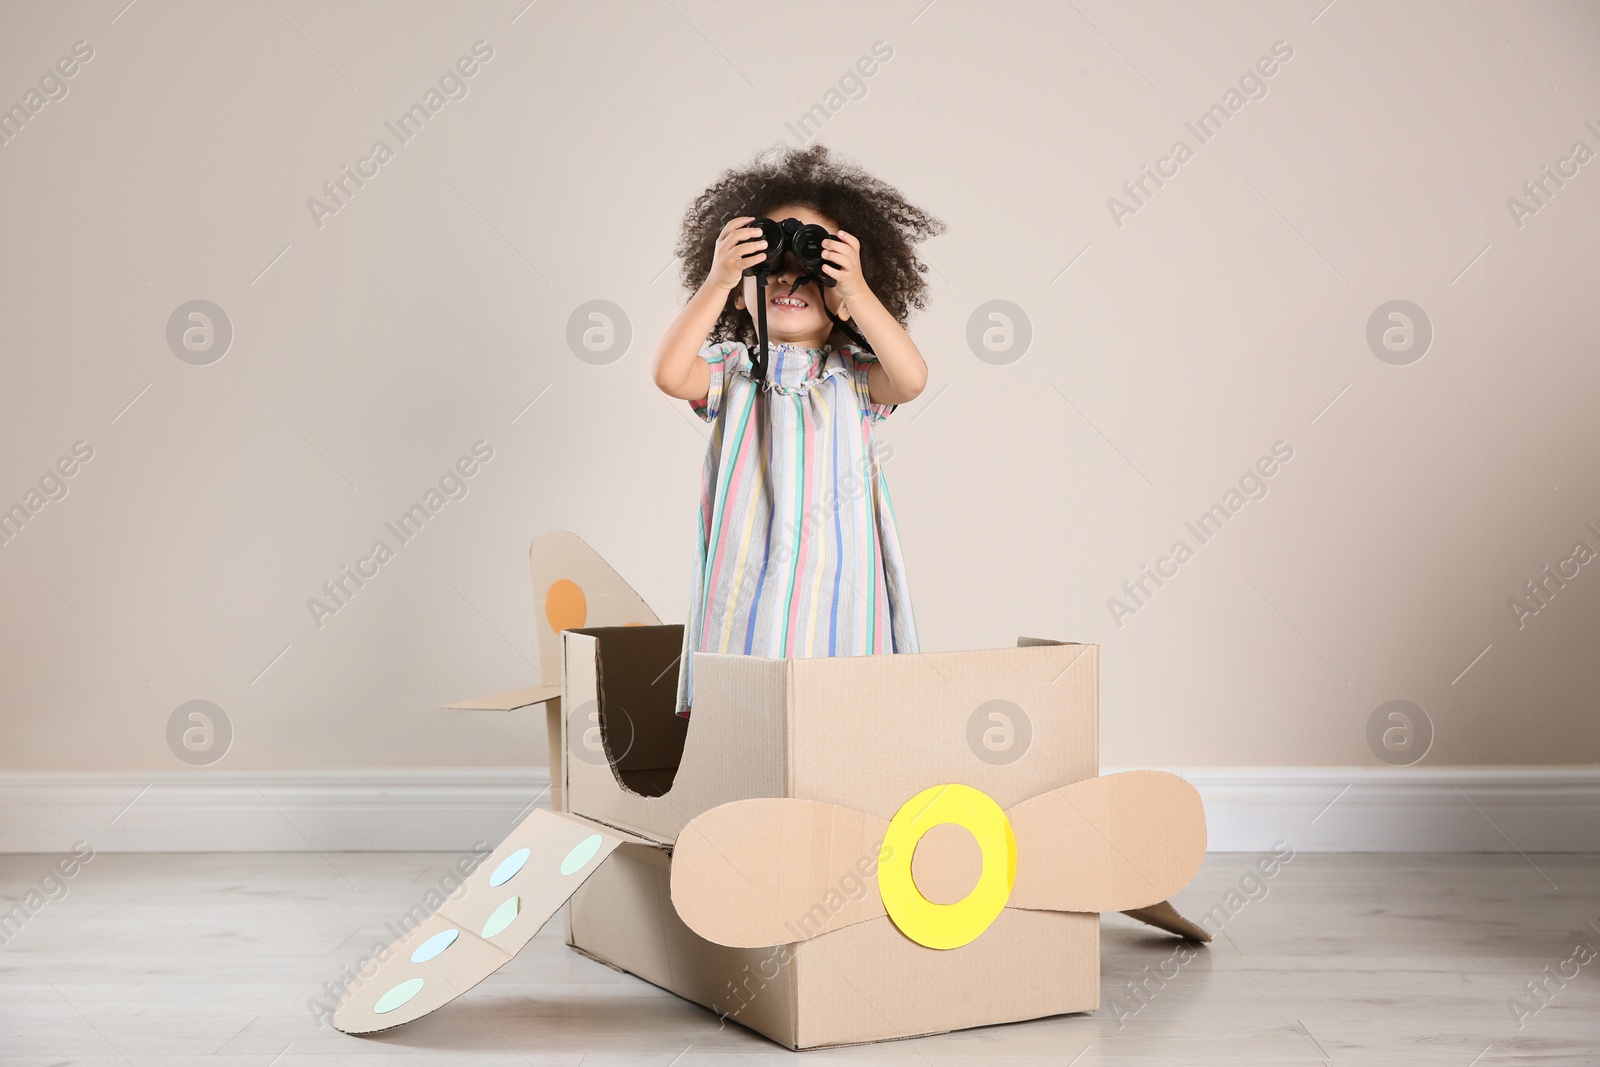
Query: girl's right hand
x,y
733,255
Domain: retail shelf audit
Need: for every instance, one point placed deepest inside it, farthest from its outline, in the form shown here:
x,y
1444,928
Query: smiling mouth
x,y
790,303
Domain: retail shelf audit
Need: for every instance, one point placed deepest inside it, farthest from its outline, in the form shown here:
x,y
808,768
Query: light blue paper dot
x,y
509,867
434,945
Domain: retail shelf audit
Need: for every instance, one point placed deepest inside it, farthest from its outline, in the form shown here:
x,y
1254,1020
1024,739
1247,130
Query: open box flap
x,y
481,926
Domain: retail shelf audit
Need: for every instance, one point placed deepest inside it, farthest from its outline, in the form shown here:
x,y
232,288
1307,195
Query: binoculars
x,y
803,240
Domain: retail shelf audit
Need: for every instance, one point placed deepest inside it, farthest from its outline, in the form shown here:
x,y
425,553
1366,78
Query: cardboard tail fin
x,y
572,587
477,930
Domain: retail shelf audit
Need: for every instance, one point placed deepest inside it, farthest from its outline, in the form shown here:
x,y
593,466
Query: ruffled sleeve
x,y
860,362
721,357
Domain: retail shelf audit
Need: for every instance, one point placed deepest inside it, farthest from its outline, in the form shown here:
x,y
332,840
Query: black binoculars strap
x,y
758,362
855,334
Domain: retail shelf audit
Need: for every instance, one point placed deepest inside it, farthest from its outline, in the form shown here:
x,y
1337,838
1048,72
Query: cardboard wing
x,y
510,700
499,908
774,871
572,587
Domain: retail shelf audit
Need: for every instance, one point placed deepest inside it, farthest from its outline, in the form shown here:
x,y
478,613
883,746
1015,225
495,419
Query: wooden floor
x,y
184,959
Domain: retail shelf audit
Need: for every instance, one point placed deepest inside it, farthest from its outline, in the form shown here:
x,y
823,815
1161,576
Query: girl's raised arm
x,y
677,367
900,373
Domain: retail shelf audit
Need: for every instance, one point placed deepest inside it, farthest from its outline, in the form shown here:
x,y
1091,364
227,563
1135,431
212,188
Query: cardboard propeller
x,y
774,871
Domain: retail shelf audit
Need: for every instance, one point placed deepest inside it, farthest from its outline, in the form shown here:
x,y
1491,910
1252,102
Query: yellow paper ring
x,y
947,925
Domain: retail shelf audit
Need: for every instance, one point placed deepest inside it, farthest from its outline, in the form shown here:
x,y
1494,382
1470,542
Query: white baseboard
x,y
1248,809
428,810
1400,809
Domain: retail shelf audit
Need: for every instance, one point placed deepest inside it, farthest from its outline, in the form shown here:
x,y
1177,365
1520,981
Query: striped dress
x,y
797,554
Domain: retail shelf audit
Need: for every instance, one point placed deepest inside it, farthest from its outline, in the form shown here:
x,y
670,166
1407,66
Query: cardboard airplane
x,y
826,855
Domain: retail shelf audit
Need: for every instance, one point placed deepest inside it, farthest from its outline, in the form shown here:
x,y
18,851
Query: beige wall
x,y
1225,314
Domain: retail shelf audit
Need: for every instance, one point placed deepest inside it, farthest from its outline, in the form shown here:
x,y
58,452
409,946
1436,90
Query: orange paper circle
x,y
564,605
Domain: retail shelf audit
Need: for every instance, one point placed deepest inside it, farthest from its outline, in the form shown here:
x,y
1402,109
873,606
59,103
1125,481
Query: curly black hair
x,y
888,225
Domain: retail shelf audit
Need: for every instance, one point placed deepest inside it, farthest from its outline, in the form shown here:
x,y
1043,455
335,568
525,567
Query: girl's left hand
x,y
842,262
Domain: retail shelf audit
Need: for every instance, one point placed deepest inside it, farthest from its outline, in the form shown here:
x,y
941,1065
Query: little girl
x,y
797,554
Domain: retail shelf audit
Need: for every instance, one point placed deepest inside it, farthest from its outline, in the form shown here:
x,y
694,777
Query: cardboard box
x,y
832,851
864,732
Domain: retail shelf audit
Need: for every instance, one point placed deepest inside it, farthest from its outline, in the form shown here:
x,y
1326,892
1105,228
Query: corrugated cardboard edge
x,y
555,735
